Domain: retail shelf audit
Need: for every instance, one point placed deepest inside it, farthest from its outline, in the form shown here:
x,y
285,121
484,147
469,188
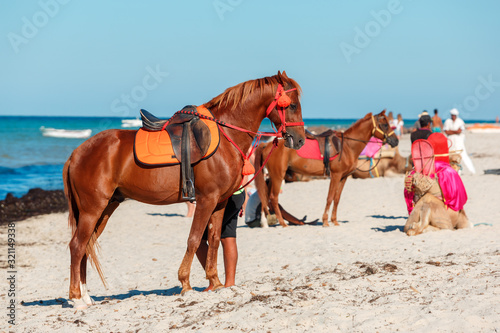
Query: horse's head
x,y
286,113
382,129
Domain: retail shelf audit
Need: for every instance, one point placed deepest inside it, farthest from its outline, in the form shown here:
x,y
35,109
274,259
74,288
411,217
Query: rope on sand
x,y
488,224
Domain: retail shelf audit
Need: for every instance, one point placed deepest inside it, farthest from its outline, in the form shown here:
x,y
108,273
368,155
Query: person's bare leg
x,y
191,207
230,250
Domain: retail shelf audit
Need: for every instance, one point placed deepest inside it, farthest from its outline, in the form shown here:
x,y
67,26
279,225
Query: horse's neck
x,y
361,131
248,116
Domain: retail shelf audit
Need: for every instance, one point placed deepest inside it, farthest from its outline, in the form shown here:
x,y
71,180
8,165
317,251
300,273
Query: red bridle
x,y
281,102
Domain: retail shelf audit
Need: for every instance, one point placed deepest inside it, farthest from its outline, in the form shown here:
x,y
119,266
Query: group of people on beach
x,y
453,127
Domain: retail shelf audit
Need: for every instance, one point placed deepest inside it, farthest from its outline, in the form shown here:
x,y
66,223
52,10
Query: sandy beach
x,y
365,275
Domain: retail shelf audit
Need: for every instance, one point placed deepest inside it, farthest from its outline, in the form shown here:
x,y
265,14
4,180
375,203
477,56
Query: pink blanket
x,y
451,185
372,147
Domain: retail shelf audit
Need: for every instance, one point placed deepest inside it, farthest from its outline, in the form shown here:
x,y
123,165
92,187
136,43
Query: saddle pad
x,y
372,147
423,157
310,150
155,148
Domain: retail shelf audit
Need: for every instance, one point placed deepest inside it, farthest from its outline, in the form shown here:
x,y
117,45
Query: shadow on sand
x,y
99,299
389,228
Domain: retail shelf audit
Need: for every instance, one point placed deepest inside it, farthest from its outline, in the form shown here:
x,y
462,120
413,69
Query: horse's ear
x,y
284,74
383,112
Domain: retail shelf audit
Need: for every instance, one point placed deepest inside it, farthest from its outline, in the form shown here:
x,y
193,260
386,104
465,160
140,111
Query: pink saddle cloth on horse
x,y
310,150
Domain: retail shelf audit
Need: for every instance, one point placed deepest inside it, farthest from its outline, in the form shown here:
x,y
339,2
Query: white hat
x,y
454,112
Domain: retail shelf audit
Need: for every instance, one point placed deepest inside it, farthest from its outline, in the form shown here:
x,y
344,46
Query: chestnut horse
x,y
102,172
353,141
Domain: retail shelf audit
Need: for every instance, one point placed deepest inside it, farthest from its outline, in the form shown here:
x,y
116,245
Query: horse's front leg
x,y
336,200
334,181
273,200
198,226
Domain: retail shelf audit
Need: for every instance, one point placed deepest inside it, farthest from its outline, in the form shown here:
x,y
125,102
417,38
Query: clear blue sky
x,y
111,58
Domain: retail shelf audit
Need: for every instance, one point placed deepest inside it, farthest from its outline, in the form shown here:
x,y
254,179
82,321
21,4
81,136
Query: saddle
x,y
329,145
190,138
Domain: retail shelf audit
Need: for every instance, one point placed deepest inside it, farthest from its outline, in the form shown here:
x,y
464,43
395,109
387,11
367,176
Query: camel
x,y
430,213
385,165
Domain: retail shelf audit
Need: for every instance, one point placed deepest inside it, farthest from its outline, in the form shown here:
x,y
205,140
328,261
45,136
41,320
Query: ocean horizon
x,y
33,149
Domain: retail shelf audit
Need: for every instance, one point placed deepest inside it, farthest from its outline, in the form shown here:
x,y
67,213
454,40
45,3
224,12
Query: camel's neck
x,y
361,131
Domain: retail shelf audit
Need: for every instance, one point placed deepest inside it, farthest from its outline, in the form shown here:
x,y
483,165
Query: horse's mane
x,y
240,92
355,125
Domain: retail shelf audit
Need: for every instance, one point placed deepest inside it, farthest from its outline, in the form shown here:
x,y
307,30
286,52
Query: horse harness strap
x,y
377,129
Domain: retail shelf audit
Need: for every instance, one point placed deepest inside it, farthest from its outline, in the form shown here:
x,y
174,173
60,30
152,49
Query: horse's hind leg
x,y
334,183
101,224
77,246
336,201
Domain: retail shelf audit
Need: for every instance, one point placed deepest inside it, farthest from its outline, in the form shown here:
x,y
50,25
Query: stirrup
x,y
188,190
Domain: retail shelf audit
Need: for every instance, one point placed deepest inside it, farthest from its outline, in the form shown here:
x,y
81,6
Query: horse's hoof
x,y
186,290
78,304
88,300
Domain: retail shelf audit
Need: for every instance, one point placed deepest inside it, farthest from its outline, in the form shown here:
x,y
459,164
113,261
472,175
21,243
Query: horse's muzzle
x,y
293,141
393,141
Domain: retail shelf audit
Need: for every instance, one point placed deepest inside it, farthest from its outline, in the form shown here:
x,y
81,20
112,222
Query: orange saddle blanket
x,y
155,148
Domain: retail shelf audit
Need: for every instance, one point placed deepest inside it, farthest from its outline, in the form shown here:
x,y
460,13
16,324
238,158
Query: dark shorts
x,y
230,219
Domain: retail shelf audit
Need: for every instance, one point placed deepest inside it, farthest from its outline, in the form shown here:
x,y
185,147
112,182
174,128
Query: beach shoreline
x,y
364,275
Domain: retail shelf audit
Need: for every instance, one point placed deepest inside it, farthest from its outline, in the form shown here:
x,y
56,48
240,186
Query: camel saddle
x,y
329,146
183,139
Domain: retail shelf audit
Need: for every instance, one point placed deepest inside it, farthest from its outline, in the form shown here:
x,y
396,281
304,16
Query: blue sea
x,y
28,159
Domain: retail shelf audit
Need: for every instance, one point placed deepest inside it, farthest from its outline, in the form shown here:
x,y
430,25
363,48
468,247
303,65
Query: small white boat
x,y
63,133
131,123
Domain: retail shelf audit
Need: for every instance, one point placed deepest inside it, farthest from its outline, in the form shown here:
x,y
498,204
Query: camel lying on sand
x,y
430,213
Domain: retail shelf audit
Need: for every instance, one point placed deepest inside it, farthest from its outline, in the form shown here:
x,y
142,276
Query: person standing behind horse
x,y
424,131
437,123
228,238
455,130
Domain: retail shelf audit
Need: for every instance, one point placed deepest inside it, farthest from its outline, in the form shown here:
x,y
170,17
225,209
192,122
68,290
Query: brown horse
x,y
383,166
102,172
353,141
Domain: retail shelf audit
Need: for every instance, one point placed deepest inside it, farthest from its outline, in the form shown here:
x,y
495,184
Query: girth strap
x,y
187,174
326,157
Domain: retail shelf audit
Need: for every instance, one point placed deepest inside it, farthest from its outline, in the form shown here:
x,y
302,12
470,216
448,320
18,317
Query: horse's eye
x,y
293,107
384,127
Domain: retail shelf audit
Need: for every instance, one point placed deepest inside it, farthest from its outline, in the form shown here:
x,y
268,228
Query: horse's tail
x,y
260,182
92,247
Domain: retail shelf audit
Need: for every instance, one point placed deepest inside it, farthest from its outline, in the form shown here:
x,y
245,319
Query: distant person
x,y
416,126
399,126
455,130
424,131
437,123
392,121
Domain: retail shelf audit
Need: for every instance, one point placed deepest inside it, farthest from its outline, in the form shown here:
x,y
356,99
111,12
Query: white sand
x,y
364,276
